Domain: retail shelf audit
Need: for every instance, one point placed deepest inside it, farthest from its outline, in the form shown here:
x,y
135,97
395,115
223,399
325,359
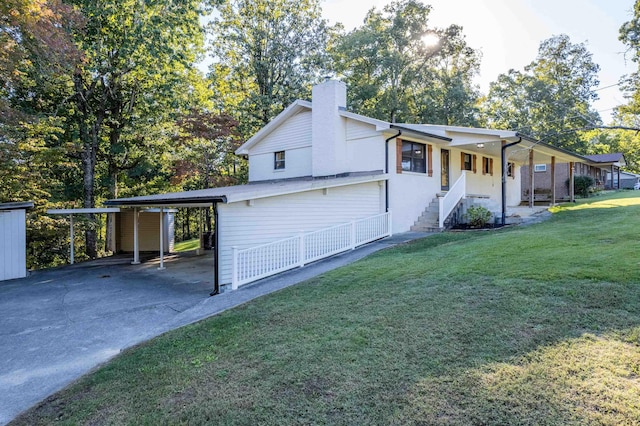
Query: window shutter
x,y
462,161
398,155
491,166
429,160
474,163
485,162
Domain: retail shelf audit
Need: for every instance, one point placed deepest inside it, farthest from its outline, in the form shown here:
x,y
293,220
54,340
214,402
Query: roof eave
x,y
419,132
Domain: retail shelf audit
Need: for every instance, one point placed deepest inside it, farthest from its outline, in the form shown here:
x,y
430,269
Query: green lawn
x,y
527,325
187,245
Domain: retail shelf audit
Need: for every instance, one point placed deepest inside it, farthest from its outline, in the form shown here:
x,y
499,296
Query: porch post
x,y
136,247
71,245
618,177
572,197
553,180
532,193
611,176
161,267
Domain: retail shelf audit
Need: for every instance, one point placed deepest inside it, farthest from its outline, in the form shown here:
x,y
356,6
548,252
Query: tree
x,y
267,54
206,144
398,68
630,35
135,55
551,99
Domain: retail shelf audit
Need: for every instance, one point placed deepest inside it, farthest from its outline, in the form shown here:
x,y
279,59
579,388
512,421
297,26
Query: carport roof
x,y
250,191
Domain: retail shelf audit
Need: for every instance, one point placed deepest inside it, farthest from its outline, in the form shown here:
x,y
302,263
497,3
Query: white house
x,y
319,166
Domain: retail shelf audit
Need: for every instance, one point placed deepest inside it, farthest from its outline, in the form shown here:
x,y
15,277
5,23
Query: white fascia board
x,y
495,133
84,211
304,186
380,125
291,110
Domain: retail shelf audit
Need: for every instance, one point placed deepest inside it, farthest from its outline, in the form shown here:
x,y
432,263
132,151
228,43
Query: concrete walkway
x,y
59,324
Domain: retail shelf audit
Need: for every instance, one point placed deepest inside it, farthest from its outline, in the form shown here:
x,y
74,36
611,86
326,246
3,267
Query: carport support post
x,y
161,267
71,246
136,247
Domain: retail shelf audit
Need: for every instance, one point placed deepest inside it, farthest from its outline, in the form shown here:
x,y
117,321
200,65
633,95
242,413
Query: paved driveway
x,y
58,324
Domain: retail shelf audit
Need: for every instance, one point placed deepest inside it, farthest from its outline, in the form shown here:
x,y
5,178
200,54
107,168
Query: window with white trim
x,y
540,168
278,160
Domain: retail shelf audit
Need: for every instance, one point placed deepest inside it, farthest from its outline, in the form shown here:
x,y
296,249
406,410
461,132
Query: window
x,y
278,160
414,157
468,162
540,168
487,166
511,170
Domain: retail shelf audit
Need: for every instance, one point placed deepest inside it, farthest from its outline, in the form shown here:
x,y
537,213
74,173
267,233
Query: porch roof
x,y
489,142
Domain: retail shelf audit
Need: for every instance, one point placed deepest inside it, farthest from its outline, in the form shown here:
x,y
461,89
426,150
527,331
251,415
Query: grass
x,y
528,325
186,245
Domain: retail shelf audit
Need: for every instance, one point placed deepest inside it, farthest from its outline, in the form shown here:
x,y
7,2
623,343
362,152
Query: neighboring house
x,y
13,241
627,180
317,165
599,167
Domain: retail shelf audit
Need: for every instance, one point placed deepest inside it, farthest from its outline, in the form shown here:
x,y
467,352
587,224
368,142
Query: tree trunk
x,y
90,139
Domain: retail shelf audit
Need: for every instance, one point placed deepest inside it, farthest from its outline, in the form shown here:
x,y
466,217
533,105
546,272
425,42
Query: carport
x,y
162,203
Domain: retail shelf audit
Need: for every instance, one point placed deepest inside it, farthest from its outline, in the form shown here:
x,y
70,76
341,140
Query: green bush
x,y
582,185
478,216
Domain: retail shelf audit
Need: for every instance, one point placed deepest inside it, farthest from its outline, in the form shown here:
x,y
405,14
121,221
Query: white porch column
x,y
136,247
71,245
161,267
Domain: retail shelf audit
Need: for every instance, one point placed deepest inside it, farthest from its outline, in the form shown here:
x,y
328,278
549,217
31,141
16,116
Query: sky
x,y
509,32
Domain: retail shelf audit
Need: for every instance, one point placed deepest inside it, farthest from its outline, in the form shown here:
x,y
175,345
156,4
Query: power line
x,y
609,86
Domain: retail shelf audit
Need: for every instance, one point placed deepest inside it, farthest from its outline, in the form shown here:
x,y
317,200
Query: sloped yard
x,y
529,325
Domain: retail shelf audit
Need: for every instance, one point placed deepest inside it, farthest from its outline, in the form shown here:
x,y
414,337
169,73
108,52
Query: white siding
x,y
269,219
297,164
293,133
360,130
13,244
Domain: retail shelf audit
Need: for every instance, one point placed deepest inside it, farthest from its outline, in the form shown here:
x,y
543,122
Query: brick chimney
x,y
328,128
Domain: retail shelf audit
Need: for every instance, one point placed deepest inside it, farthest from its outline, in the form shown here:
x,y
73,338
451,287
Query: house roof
x,y
250,191
616,157
17,205
468,138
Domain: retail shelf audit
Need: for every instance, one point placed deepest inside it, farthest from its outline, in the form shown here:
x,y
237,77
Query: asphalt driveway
x,y
58,324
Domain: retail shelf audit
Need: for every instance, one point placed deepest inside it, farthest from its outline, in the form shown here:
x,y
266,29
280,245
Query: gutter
x,y
504,177
386,169
216,264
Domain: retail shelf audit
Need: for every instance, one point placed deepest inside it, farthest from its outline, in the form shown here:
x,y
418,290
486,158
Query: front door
x,y
444,174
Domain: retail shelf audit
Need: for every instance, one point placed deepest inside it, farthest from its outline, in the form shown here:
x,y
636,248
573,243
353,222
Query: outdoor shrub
x,y
582,185
478,216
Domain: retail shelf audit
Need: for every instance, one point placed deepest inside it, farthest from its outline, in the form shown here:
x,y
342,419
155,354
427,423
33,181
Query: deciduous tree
x,y
551,99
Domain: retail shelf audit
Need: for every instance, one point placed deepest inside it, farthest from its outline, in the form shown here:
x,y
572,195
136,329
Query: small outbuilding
x,y
13,240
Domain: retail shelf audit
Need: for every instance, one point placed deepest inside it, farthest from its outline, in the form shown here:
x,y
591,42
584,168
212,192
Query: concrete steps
x,y
428,220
